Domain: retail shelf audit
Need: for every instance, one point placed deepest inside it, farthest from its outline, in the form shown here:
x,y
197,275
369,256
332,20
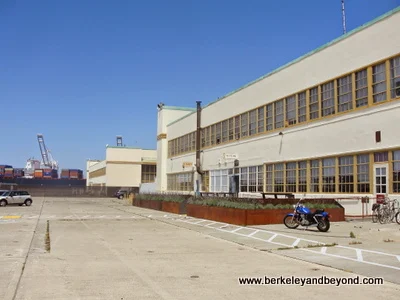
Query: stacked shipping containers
x,y
8,172
18,172
64,174
75,174
38,173
2,169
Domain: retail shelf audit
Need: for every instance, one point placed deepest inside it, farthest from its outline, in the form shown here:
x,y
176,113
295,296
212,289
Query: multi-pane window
x,y
212,137
290,177
219,181
243,180
169,148
302,175
396,171
231,129
203,137
245,124
328,175
270,117
346,174
379,83
279,174
363,184
218,133
205,181
278,114
224,131
269,184
395,77
361,88
345,93
314,105
149,173
253,122
261,114
260,179
237,127
301,107
327,99
381,156
291,110
252,179
314,171
180,182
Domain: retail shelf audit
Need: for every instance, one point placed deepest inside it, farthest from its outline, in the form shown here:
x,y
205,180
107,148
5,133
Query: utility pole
x,y
343,18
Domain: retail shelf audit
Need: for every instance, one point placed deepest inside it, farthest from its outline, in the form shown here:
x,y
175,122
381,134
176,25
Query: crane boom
x,y
47,158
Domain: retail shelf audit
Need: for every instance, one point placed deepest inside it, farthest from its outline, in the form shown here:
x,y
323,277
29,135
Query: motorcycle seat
x,y
319,211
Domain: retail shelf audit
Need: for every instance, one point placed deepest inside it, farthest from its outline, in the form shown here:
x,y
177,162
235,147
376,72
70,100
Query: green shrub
x,y
162,197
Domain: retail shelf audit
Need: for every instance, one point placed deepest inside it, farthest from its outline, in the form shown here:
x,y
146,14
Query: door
x,y
14,198
381,177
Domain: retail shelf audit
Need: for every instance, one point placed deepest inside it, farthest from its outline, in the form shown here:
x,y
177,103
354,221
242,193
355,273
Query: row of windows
x,y
344,174
365,87
149,173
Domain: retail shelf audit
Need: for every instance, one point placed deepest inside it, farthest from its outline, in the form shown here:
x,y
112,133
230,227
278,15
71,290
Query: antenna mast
x,y
344,18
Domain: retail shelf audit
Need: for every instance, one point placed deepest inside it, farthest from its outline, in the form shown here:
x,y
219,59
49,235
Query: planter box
x,y
173,207
245,217
150,204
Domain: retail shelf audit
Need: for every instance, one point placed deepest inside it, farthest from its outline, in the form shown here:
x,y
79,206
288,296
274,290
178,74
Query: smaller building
x,y
126,167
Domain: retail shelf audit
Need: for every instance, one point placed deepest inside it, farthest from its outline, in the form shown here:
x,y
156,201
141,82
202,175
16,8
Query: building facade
x,y
123,167
325,124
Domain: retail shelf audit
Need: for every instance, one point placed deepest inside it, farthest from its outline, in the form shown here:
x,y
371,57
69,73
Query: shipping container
x,y
38,173
19,172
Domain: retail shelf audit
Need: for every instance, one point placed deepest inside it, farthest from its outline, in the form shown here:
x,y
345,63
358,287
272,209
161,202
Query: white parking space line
x,y
359,255
237,229
296,242
253,233
272,237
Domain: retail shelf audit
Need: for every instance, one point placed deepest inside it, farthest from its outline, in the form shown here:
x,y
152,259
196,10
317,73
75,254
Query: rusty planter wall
x,y
173,207
246,217
150,204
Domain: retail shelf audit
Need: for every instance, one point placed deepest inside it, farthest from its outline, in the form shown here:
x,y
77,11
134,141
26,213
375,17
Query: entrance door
x,y
381,172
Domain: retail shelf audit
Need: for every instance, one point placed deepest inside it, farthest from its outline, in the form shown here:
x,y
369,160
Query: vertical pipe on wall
x,y
198,133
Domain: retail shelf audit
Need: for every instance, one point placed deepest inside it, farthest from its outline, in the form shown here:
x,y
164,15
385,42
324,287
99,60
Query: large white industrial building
x,y
123,167
324,124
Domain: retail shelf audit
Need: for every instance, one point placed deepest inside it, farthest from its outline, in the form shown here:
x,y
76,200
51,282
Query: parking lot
x,y
71,248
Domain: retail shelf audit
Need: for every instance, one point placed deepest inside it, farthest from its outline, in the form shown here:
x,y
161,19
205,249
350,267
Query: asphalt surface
x,y
71,248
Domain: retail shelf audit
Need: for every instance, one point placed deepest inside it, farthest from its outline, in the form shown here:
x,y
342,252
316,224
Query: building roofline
x,y
343,37
129,147
179,108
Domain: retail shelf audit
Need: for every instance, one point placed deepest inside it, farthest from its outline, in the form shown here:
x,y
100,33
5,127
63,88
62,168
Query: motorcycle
x,y
302,216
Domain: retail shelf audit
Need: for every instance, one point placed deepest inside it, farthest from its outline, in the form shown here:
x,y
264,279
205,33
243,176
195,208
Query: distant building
x,y
123,167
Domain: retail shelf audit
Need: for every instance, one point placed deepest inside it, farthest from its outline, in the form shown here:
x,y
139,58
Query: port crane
x,y
47,158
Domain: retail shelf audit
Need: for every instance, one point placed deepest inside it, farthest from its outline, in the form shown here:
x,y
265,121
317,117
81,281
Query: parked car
x,y
15,197
121,193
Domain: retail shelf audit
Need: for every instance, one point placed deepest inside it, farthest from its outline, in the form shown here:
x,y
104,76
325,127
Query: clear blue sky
x,y
81,72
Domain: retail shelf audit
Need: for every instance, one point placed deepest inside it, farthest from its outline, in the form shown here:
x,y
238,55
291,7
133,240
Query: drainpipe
x,y
198,133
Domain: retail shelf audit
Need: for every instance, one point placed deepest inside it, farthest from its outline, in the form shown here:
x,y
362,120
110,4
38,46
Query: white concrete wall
x,y
123,154
360,49
94,166
165,116
124,175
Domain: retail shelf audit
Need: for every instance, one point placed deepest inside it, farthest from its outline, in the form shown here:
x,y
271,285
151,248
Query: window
x,y
231,129
224,131
361,88
237,127
252,179
260,128
205,181
346,174
185,143
315,176
207,136
381,156
291,115
302,175
345,93
243,179
278,177
395,77
245,124
396,171
291,177
269,184
260,179
301,107
363,185
270,117
213,131
169,148
327,99
253,122
379,83
180,182
218,133
314,105
219,181
278,114
148,173
328,175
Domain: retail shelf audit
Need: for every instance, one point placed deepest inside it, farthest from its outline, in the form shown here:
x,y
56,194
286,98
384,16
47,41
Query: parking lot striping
x,y
296,242
10,217
322,251
349,258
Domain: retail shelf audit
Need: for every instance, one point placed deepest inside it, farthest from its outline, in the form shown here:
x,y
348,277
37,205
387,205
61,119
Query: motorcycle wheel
x,y
289,222
397,217
323,225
